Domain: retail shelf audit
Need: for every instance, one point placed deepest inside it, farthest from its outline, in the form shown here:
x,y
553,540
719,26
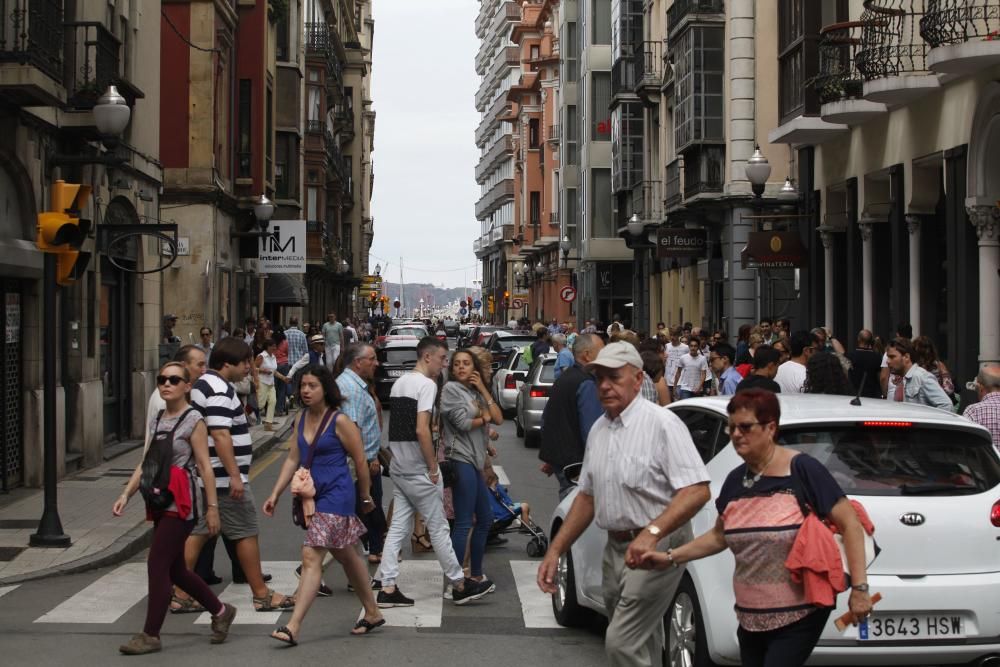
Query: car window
x,y
548,372
520,364
419,332
897,461
400,356
512,341
705,429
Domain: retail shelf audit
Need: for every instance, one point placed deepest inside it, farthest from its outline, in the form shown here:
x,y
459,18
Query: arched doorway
x,y
117,323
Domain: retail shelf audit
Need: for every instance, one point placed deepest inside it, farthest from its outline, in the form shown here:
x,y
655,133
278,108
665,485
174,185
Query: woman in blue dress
x,y
333,527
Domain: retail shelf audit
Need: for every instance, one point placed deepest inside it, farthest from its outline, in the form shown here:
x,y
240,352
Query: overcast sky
x,y
423,86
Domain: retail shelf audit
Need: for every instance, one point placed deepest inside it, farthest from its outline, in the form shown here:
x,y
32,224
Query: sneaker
x,y
394,599
448,592
221,623
473,590
376,584
141,644
324,590
492,587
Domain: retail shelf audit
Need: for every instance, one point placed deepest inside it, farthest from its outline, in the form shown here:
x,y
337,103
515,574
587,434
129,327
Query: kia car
x,y
395,359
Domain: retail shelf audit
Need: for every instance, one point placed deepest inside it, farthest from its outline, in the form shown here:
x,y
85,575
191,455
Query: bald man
x,y
987,411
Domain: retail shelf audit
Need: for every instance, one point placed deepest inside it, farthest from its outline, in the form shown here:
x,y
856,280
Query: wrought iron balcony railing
x,y
838,76
93,59
703,170
959,21
647,63
890,39
31,32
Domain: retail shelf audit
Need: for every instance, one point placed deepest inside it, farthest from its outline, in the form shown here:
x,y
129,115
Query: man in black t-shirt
x,y
866,364
765,367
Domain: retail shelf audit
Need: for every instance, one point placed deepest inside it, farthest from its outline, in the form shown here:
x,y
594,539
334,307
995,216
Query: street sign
x,y
517,303
462,304
395,304
477,304
671,242
463,312
371,279
567,293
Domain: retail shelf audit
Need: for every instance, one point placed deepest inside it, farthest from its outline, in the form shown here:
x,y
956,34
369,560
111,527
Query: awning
x,y
285,288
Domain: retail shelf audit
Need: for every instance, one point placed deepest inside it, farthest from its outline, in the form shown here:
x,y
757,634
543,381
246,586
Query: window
x,y
600,21
535,207
269,137
246,145
571,135
571,52
534,52
698,111
534,139
600,204
626,146
282,48
312,204
600,101
706,432
798,56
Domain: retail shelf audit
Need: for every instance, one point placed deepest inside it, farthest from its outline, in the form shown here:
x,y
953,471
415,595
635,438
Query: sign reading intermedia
x,y
283,250
680,242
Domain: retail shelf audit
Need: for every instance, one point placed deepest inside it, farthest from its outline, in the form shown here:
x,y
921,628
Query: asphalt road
x,y
83,618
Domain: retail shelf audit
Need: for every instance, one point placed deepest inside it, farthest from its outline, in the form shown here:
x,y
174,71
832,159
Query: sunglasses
x,y
743,427
174,380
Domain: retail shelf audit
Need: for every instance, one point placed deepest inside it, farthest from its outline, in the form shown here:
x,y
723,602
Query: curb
x,y
135,541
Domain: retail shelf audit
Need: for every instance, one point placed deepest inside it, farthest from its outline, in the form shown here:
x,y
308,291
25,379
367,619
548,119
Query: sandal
x,y
185,605
266,603
367,626
420,543
290,640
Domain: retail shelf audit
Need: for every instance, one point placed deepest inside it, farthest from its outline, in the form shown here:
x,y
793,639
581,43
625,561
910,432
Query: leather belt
x,y
624,535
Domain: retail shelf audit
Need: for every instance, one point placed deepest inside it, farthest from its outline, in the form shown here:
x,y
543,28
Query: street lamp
x,y
111,115
634,225
421,307
758,170
378,269
788,191
263,209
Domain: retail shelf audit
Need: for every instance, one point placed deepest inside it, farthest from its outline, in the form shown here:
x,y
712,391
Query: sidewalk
x,y
85,500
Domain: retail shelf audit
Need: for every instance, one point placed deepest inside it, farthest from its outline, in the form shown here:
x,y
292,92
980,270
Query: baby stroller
x,y
506,512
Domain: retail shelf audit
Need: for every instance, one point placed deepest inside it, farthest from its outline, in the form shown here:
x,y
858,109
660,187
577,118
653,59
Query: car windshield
x,y
520,364
408,331
401,356
896,461
513,341
548,372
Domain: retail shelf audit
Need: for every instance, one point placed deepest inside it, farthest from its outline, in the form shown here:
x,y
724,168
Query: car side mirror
x,y
572,472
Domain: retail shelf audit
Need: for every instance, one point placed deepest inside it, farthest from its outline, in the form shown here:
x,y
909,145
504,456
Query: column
x,y
826,236
913,226
867,304
986,220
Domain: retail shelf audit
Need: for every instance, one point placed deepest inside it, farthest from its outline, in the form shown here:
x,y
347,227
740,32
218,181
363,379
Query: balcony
x,y
318,39
703,171
672,197
648,71
510,56
491,201
95,63
622,81
964,35
31,52
344,117
892,58
502,149
839,85
682,9
510,12
553,134
647,201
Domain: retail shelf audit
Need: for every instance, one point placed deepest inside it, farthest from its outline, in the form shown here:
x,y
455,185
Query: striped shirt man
x,y
359,406
220,407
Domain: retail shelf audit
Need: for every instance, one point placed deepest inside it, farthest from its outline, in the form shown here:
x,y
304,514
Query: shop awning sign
x,y
773,250
681,242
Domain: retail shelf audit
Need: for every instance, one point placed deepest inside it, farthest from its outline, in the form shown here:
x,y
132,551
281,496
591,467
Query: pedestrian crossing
x,y
116,593
6,589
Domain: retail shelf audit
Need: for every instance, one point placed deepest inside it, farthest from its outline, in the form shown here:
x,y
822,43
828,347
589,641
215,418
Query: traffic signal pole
x,y
50,530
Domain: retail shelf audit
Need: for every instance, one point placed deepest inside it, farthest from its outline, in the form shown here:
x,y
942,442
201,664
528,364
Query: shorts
x,y
238,518
333,531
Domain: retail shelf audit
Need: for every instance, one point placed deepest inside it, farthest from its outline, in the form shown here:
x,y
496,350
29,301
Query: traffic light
x,y
62,231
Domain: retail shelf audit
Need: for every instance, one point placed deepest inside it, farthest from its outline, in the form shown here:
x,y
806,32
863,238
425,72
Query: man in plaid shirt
x,y
297,347
987,411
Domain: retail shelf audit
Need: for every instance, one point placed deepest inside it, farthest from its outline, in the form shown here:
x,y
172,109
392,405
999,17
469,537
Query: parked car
x,y
395,358
532,397
411,332
507,381
929,481
500,344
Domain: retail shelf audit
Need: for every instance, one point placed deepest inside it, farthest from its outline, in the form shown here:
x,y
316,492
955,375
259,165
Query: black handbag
x,y
298,513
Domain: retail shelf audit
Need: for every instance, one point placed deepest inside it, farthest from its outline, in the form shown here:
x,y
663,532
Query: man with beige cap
x,y
642,481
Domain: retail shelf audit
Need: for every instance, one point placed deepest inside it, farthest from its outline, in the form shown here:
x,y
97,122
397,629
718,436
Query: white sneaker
x,y
447,595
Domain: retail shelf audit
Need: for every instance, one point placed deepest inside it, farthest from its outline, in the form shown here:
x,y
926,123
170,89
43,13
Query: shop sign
x,y
672,243
283,249
773,250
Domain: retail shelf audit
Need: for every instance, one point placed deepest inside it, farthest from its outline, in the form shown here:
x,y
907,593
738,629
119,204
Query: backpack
x,y
156,464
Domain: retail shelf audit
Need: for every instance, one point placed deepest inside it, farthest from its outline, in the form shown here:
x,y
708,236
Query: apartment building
x,y
56,60
540,264
897,127
498,64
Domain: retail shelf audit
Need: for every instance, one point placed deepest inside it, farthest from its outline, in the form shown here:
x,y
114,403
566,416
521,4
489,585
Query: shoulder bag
x,y
298,513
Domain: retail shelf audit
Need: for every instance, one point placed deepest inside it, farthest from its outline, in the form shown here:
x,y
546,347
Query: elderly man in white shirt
x,y
642,480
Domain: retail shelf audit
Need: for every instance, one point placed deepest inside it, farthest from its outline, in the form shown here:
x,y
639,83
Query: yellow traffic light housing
x,y
63,232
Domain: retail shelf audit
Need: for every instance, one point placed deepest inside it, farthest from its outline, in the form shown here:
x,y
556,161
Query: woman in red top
x,y
759,519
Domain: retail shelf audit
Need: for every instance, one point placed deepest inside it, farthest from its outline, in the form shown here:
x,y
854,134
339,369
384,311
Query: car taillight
x,y
538,392
510,382
886,424
995,514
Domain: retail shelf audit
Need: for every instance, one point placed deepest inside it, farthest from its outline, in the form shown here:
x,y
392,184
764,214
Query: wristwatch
x,y
654,530
861,588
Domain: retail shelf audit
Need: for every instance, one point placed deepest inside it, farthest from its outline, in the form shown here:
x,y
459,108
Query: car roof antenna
x,y
861,386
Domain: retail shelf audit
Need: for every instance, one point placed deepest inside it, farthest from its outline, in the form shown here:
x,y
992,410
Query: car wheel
x,y
566,609
684,627
519,428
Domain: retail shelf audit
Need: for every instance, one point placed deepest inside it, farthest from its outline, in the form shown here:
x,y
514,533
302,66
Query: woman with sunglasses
x,y
760,515
165,563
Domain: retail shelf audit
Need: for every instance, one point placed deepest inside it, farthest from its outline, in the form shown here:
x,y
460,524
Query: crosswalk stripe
x,y
104,601
7,589
239,595
536,606
422,581
501,476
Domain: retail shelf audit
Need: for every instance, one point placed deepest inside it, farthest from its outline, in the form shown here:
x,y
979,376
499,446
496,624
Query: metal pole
x,y
260,296
50,530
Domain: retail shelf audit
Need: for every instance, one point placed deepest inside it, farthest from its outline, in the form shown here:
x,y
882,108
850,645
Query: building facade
x,y
56,59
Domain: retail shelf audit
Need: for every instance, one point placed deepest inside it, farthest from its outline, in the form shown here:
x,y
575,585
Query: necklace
x,y
749,480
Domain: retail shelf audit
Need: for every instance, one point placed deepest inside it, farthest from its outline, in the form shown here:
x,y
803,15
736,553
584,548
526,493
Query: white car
x,y
929,480
507,381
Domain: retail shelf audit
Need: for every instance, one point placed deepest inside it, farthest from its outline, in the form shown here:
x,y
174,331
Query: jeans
x,y
787,646
375,520
281,388
470,496
686,393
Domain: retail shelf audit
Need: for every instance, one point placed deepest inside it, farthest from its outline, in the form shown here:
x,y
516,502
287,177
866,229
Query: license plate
x,y
397,374
902,627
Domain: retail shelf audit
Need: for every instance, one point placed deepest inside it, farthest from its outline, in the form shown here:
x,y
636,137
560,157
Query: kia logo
x,y
912,519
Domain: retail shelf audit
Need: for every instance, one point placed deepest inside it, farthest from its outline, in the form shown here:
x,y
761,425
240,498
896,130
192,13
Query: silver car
x,y
532,397
507,381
